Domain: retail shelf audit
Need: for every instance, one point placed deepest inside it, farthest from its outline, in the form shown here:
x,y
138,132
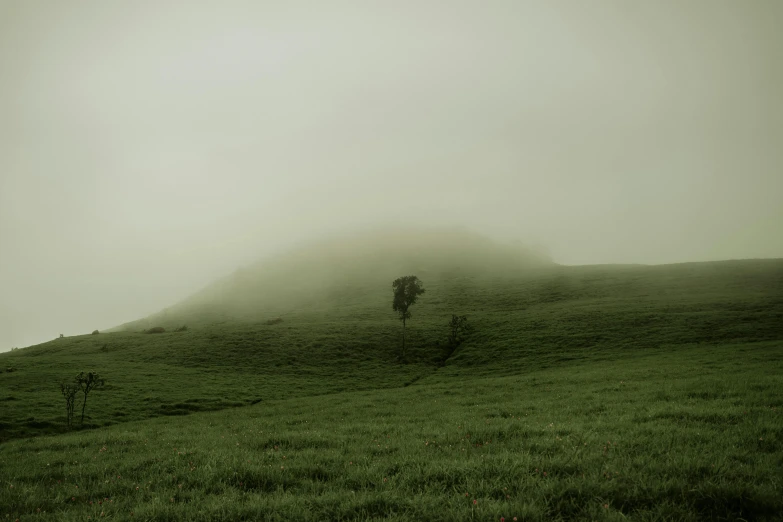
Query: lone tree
x,y
407,290
69,391
86,382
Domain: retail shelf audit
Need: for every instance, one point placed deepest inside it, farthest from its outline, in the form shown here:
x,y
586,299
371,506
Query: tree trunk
x,y
403,339
83,405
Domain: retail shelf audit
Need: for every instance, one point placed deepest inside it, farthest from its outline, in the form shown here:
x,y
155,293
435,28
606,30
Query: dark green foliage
x,y
69,391
95,332
87,382
406,291
155,330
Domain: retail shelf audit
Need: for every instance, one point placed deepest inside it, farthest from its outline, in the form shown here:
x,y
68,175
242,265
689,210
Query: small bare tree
x,y
458,327
86,382
69,391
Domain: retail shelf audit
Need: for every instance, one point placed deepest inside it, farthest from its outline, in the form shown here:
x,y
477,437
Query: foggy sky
x,y
147,148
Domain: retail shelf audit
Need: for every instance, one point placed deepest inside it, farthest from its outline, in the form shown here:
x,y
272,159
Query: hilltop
x,y
330,272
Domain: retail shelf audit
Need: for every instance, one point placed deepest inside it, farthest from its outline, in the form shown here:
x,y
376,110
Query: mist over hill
x,y
317,272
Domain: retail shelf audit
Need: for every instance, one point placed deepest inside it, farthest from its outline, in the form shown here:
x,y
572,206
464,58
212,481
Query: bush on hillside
x,y
95,332
458,328
155,329
183,328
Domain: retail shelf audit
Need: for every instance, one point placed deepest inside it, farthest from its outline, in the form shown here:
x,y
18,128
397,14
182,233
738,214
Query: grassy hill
x,y
527,314
596,392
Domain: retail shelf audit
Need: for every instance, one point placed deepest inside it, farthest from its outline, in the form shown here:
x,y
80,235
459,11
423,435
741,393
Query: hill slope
x,y
677,434
344,336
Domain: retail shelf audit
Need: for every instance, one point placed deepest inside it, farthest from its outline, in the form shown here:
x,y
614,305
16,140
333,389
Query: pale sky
x,y
147,148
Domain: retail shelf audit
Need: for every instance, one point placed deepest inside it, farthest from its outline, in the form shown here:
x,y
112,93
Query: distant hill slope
x,y
527,313
316,274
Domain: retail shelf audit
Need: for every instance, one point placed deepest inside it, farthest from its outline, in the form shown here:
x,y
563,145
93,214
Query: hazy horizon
x,y
148,149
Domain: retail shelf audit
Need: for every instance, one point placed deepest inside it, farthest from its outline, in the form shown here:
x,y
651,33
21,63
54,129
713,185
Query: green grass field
x,y
694,433
605,392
